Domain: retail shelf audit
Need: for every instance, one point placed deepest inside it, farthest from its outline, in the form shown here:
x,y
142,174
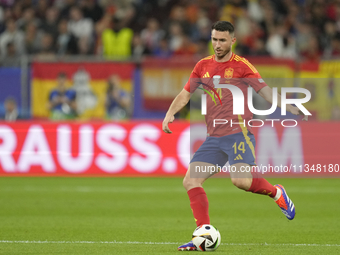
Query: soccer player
x,y
226,143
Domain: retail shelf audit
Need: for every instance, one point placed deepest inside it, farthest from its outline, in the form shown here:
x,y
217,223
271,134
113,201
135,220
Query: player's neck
x,y
225,58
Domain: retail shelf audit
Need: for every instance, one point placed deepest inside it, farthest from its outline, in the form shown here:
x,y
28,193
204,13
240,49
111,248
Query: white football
x,y
206,238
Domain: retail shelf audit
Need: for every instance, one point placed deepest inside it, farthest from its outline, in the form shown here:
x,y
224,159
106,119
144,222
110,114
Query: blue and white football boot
x,y
283,201
187,247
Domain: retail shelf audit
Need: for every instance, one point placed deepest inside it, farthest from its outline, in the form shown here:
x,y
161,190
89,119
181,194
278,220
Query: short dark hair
x,y
223,26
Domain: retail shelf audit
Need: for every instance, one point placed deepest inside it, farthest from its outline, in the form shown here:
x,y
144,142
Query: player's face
x,y
222,42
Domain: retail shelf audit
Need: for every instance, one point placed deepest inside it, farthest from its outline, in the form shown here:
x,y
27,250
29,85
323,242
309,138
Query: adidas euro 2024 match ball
x,y
206,238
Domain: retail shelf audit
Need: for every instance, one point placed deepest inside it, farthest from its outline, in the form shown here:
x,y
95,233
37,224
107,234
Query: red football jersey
x,y
238,72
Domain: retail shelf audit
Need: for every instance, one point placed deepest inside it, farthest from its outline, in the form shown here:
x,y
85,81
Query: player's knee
x,y
189,183
241,183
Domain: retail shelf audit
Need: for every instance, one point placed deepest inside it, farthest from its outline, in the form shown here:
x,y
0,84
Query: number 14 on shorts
x,y
240,147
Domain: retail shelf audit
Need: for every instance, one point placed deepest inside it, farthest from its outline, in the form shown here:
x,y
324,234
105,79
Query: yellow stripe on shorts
x,y
245,134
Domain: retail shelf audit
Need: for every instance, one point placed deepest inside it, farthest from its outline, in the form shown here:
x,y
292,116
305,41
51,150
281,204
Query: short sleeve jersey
x,y
239,72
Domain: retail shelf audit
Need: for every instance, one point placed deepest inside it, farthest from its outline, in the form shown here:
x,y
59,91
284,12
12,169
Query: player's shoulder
x,y
206,59
237,58
243,62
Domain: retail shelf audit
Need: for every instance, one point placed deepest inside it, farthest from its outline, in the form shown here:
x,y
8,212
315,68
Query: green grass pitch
x,y
152,216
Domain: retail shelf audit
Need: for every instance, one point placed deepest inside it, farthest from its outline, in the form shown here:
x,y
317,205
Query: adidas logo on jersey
x,y
206,75
238,157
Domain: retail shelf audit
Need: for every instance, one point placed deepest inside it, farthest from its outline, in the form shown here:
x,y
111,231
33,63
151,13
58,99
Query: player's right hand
x,y
165,125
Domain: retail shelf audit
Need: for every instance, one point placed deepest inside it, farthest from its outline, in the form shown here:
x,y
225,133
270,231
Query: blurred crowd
x,y
300,29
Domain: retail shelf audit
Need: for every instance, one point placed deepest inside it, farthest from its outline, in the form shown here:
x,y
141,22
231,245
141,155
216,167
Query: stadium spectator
x,y
249,39
50,22
233,10
270,19
318,16
280,44
2,19
7,15
47,50
117,41
176,36
17,10
163,50
334,50
179,17
202,49
255,10
12,35
259,48
84,47
201,28
125,12
118,103
62,101
328,34
11,109
42,8
100,27
33,38
91,9
81,28
66,43
28,16
12,58
277,25
138,48
65,7
312,53
152,34
187,47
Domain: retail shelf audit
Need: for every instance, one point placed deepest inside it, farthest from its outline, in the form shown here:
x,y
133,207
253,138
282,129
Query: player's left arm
x,y
254,80
267,93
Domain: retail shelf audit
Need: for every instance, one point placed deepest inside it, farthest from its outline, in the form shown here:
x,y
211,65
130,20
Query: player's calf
x,y
242,183
240,178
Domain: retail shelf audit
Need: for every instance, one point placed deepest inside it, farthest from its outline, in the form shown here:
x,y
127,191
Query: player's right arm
x,y
182,98
179,102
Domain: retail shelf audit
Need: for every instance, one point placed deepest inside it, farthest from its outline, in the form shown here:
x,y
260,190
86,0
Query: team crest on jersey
x,y
228,73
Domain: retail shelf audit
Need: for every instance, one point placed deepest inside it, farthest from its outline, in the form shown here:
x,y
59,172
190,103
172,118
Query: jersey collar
x,y
232,57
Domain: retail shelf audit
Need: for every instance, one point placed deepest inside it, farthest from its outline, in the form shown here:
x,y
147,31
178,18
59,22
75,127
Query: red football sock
x,y
199,205
262,186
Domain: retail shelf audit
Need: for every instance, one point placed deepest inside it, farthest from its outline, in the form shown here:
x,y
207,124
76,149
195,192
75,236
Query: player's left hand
x,y
296,111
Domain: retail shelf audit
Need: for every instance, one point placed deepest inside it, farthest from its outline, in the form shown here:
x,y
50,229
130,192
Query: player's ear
x,y
233,40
